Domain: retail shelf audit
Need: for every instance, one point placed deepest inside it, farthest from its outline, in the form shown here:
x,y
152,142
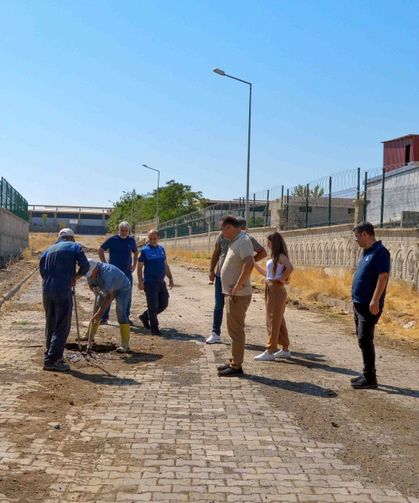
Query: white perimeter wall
x,y
332,246
14,235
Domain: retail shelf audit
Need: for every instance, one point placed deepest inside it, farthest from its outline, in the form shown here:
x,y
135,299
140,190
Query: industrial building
x,y
83,220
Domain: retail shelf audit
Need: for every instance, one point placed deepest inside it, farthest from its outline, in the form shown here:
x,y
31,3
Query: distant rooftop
x,y
402,137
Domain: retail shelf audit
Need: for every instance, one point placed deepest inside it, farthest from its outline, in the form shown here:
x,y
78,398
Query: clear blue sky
x,y
90,90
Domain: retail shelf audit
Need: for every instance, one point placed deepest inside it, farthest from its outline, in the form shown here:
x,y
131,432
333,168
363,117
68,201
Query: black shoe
x,y
230,371
103,322
224,366
60,366
357,378
144,320
155,331
364,383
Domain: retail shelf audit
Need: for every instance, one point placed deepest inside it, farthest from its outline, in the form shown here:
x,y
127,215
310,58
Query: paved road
x,y
164,427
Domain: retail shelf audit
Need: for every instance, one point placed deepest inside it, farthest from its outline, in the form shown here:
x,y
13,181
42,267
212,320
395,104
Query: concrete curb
x,y
8,295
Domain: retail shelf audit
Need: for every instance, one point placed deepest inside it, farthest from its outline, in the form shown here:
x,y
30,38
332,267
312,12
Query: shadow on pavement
x,y
318,365
171,333
137,357
103,379
305,388
395,390
309,360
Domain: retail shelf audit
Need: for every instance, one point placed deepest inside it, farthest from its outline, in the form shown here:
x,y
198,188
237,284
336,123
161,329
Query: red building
x,y
401,151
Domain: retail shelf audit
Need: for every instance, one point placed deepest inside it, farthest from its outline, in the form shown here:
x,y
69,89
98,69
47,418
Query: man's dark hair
x,y
242,221
364,227
230,220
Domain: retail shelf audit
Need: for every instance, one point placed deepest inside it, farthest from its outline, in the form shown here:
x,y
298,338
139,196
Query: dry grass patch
x,y
39,241
400,319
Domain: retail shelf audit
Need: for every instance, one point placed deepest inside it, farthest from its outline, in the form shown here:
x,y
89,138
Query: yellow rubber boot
x,y
92,330
124,329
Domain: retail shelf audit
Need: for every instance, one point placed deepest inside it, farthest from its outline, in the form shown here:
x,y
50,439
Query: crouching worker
x,y
113,284
58,270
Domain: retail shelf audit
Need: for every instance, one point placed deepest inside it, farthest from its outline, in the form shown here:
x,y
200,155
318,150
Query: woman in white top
x,y
278,270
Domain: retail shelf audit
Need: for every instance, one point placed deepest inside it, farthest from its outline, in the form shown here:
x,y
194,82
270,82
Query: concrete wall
x,y
14,235
327,247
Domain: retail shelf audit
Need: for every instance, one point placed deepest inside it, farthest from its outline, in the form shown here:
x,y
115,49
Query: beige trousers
x,y
236,308
275,301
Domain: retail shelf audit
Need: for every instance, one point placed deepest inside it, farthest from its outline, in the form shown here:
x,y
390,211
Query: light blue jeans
x,y
123,300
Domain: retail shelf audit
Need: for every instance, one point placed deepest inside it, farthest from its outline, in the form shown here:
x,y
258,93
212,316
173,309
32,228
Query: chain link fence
x,y
386,197
11,200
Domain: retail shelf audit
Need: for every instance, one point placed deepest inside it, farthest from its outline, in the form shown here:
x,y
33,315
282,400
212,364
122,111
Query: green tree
x,y
175,199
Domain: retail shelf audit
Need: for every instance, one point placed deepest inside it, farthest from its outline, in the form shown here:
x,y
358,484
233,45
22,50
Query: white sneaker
x,y
213,339
281,354
123,349
266,356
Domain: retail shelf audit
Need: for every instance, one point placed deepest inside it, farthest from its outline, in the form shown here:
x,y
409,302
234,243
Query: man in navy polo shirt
x,y
123,254
151,271
368,292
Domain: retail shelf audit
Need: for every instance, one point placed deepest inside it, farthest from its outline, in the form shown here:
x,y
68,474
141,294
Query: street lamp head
x,y
220,72
145,166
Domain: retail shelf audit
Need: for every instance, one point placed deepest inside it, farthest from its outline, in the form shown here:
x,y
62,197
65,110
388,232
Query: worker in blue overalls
x,y
58,270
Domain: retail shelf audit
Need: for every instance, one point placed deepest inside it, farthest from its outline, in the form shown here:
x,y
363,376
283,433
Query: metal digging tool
x,y
77,319
93,326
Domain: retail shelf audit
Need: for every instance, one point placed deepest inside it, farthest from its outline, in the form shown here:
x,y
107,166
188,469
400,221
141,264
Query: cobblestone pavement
x,y
177,432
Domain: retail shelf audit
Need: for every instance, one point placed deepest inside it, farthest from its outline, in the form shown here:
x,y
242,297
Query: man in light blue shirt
x,y
113,284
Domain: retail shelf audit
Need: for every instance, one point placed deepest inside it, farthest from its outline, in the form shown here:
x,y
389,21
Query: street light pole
x,y
157,193
223,74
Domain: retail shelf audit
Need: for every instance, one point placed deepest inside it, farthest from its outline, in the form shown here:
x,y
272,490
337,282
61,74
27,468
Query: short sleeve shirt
x,y
110,279
154,260
120,251
374,261
240,248
223,244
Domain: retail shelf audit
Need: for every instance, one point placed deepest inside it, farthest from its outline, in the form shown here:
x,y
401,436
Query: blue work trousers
x,y
105,316
58,309
219,307
157,301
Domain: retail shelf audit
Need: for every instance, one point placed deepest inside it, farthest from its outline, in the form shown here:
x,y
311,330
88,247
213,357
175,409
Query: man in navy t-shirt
x,y
123,254
152,269
368,292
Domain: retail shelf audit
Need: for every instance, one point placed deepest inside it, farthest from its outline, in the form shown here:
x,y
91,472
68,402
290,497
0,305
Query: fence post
x,y
365,195
307,195
330,201
288,204
382,199
267,209
358,182
254,210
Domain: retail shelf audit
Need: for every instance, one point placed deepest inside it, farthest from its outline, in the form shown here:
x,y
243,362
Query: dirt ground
x,y
44,413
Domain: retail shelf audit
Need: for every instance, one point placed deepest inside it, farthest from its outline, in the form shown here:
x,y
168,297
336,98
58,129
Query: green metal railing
x,y
11,200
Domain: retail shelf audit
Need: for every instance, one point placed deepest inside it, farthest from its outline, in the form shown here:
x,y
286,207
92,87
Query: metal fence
x,y
11,200
387,198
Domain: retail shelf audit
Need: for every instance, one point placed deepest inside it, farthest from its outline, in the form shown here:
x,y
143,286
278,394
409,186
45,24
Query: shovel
x,y
77,319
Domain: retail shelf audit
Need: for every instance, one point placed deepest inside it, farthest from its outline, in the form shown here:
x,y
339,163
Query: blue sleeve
x,y
134,245
142,257
383,262
42,264
81,260
106,244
